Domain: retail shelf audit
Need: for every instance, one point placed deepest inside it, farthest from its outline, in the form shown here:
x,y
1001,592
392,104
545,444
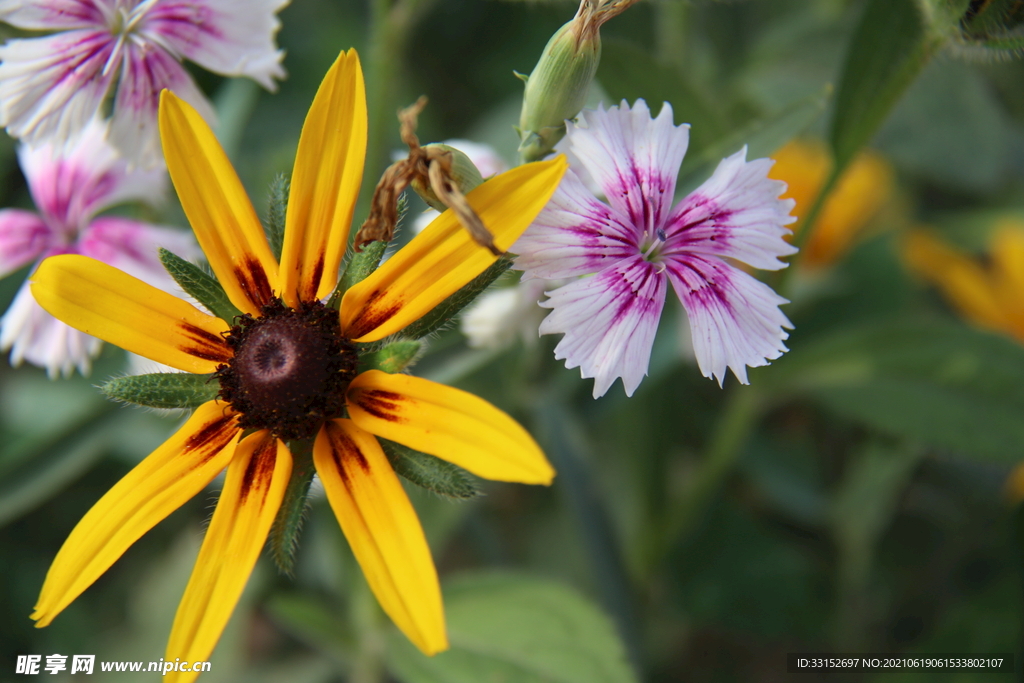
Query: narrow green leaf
x,y
284,534
277,209
889,48
163,389
762,137
202,286
444,313
516,629
433,474
945,385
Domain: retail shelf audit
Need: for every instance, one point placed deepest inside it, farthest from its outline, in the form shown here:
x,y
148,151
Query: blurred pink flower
x,y
637,243
70,184
52,86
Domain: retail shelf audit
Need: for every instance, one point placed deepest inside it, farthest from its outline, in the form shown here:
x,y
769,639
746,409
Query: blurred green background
x,y
856,497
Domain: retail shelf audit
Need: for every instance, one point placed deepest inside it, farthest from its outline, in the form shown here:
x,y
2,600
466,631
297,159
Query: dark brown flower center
x,y
290,369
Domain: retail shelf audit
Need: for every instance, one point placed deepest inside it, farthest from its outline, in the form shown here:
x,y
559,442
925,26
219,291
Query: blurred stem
x,y
368,625
671,20
743,408
234,104
391,22
562,435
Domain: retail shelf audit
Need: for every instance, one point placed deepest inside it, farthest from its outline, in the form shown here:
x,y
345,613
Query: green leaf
x,y
312,622
945,385
433,474
443,314
516,629
888,50
762,136
163,389
30,478
277,210
202,286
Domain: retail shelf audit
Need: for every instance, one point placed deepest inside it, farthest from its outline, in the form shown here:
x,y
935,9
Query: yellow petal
x,y
383,530
325,183
253,490
156,487
217,206
444,257
964,282
107,303
449,423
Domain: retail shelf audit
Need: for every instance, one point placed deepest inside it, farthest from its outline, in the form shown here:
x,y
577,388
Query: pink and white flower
x,y
52,86
70,184
637,243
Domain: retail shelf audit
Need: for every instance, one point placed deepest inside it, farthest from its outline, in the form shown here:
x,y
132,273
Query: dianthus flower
x,y
70,185
51,86
289,371
637,243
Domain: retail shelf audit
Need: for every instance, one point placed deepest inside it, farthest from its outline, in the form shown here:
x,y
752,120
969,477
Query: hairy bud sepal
x,y
394,357
287,527
426,471
199,284
171,390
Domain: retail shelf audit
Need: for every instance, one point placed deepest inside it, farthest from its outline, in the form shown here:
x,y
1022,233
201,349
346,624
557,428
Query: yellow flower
x,y
992,295
855,199
288,371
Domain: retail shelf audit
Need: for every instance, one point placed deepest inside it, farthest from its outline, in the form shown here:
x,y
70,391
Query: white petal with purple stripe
x,y
609,322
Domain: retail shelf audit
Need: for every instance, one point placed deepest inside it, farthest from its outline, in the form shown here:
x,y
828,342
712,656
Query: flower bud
x,y
464,173
557,88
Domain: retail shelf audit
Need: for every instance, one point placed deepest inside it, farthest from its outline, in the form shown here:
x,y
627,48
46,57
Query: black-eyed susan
x,y
288,371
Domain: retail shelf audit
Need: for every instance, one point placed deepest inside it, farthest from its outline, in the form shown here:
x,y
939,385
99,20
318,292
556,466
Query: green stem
x,y
369,627
670,22
390,26
736,421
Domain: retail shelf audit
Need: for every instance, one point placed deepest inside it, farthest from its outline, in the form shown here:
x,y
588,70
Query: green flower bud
x,y
557,88
464,173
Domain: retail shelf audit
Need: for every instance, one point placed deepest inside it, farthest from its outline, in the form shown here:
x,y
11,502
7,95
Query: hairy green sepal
x,y
284,533
392,358
277,209
433,474
202,286
163,389
443,314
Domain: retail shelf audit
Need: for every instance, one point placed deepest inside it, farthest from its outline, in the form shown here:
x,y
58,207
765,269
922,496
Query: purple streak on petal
x,y
51,87
23,237
737,213
229,37
735,320
575,234
148,69
53,15
634,159
609,322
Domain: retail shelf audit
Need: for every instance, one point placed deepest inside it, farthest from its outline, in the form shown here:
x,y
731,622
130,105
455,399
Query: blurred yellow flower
x,y
804,165
988,292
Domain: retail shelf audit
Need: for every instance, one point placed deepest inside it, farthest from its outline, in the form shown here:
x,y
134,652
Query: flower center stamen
x,y
290,369
651,247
